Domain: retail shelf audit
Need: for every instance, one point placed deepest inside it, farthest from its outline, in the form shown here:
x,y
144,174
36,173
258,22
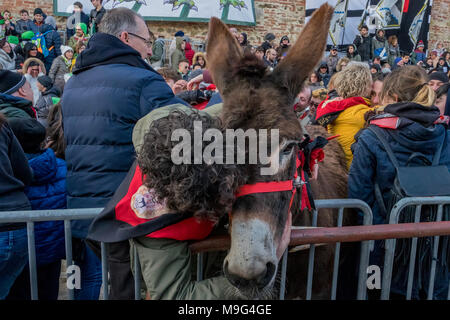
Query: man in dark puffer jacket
x,y
112,87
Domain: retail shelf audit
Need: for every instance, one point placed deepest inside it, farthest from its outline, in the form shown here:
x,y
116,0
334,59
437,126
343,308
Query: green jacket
x,y
167,266
157,51
178,54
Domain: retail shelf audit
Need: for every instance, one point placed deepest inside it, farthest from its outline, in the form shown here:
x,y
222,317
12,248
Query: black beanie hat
x,y
10,81
38,11
439,75
46,81
29,132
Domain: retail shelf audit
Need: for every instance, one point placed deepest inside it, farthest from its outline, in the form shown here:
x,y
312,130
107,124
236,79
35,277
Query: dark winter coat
x,y
371,164
364,46
24,25
73,20
44,104
12,106
15,174
48,191
53,43
95,18
110,90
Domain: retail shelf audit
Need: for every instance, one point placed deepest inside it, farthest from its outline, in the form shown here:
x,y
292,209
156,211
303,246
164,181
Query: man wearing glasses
x,y
112,87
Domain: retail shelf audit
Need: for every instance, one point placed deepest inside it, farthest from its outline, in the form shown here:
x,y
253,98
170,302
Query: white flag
x,y
416,25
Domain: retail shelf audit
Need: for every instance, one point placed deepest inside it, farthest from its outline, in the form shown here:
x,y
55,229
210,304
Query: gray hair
x,y
118,20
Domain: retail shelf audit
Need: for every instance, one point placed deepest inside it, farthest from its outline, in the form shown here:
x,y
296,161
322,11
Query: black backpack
x,y
427,180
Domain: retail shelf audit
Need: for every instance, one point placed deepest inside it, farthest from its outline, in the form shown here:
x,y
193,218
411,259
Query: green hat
x,y
55,100
83,27
13,39
27,35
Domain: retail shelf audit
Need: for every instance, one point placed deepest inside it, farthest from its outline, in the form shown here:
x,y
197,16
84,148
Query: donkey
x,y
255,98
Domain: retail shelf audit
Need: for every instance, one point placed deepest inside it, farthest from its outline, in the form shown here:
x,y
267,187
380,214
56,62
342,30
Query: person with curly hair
x,y
344,115
168,210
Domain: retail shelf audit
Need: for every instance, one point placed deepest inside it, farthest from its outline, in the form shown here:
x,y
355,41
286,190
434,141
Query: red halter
x,y
277,186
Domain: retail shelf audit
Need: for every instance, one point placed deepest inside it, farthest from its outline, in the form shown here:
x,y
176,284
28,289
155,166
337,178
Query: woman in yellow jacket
x,y
343,112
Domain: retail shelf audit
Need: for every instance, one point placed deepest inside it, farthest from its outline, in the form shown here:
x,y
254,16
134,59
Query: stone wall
x,y
277,16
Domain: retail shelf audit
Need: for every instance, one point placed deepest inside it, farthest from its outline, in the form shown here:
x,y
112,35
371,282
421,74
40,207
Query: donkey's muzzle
x,y
259,281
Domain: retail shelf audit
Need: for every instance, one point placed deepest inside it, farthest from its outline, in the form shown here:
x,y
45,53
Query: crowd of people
x,y
66,123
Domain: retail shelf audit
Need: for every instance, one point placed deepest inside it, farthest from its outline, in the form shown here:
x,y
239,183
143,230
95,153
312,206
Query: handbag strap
x,y
377,131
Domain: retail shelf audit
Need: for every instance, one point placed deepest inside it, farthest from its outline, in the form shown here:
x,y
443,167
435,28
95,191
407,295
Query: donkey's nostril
x,y
236,281
265,278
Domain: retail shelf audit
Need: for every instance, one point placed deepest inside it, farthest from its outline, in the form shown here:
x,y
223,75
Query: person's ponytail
x,y
426,96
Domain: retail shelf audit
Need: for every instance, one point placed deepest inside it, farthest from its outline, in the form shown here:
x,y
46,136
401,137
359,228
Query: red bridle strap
x,y
274,186
263,187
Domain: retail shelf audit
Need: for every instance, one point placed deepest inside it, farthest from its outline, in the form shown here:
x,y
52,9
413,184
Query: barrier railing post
x,y
137,275
312,249
390,243
434,257
412,258
69,260
105,282
283,274
32,260
337,251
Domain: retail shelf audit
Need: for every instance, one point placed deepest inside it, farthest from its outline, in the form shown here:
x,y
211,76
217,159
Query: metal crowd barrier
x,y
365,233
340,204
390,244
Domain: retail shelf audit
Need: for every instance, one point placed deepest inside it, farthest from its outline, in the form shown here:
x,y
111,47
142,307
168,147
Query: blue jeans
x,y
13,258
91,275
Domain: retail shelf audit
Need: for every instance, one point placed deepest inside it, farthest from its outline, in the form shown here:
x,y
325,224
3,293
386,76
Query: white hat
x,y
64,49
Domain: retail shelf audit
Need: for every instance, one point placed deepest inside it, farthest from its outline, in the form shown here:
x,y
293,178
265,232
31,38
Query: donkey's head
x,y
255,98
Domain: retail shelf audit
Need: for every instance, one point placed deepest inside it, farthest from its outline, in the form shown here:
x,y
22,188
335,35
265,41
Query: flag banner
x,y
416,25
230,11
337,25
347,12
390,13
408,20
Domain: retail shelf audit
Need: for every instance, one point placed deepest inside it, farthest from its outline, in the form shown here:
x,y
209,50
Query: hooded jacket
x,y
48,191
378,44
110,90
364,45
343,117
416,133
6,61
199,54
355,55
15,174
53,43
44,104
189,53
16,107
158,55
178,54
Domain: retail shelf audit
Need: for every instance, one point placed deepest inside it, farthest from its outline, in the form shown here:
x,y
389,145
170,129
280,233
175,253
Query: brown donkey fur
x,y
255,98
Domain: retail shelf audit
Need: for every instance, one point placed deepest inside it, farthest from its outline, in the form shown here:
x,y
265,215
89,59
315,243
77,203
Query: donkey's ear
x,y
306,53
223,52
